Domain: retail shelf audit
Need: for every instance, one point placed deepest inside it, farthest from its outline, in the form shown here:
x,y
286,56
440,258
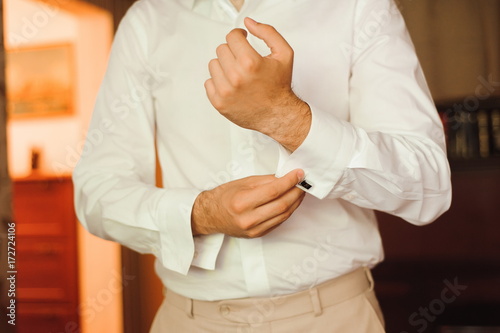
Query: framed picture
x,y
40,81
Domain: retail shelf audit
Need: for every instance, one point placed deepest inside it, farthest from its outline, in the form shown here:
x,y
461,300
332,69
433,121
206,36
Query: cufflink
x,y
304,184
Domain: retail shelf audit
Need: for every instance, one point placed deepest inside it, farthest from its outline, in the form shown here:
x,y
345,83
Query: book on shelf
x,y
471,134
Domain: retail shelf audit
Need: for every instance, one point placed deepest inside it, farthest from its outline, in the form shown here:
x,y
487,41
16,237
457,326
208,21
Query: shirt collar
x,y
192,3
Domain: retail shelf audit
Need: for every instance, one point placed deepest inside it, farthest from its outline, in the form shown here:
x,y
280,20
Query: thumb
x,y
277,44
294,177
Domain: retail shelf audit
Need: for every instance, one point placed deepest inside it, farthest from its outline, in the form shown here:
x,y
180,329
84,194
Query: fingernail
x,y
300,175
241,30
252,20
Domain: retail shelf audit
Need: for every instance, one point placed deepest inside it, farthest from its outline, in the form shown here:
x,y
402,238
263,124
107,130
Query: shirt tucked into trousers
x,y
346,304
375,143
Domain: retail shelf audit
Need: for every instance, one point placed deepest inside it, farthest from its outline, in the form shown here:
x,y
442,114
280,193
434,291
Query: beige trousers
x,y
345,305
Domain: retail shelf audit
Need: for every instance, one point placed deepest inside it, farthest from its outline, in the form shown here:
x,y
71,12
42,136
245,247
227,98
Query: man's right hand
x,y
248,208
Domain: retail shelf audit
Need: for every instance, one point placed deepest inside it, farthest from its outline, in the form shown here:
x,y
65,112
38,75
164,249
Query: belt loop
x,y
189,307
316,303
369,276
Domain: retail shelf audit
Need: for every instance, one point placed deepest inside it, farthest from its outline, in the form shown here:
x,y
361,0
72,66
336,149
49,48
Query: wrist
x,y
199,225
293,127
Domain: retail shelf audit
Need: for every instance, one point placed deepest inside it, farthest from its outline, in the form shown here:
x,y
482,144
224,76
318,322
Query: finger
x,y
210,89
270,191
219,79
272,223
270,229
277,44
256,181
239,45
280,205
226,58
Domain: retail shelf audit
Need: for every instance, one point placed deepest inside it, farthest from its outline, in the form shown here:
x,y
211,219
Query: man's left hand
x,y
255,92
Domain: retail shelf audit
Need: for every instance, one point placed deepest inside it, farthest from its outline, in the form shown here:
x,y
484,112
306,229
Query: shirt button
x,y
224,310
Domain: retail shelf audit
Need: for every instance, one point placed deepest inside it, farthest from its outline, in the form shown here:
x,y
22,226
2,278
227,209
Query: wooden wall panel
x,y
117,7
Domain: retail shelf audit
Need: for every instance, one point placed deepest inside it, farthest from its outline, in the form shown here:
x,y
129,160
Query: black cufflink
x,y
305,184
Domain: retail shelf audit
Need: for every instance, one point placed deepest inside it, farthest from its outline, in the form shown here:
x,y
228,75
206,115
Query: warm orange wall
x,y
89,29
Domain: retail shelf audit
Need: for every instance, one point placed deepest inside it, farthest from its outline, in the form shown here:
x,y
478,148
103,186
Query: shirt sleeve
x,y
115,193
390,155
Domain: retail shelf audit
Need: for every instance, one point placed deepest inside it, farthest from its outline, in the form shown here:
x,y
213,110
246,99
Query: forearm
x,y
398,174
402,174
136,214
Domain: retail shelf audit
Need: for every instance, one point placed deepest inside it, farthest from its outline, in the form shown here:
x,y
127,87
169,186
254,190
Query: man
x,y
275,145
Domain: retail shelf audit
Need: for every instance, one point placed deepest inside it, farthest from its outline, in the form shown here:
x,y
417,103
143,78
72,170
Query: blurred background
x,y
440,278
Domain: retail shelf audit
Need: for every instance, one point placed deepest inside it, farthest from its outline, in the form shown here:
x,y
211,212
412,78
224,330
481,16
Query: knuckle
x,y
245,224
237,204
231,34
274,192
221,48
235,33
236,207
208,85
235,79
249,64
282,207
225,92
289,53
217,103
285,216
212,63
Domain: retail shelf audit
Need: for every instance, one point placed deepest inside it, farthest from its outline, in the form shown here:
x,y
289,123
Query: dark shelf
x,y
475,164
493,102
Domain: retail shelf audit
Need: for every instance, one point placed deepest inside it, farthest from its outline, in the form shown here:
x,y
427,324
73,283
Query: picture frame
x,y
40,81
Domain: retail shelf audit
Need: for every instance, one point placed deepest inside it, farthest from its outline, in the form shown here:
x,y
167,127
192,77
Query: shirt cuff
x,y
207,249
174,224
324,154
179,250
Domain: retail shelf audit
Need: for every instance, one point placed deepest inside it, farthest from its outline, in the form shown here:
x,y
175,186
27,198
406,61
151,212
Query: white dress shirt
x,y
376,142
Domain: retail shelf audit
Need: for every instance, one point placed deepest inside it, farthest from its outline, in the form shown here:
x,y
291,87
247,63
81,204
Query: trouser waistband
x,y
258,310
